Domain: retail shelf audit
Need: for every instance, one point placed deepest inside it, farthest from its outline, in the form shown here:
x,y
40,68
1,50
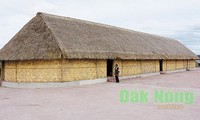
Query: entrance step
x,y
111,79
162,72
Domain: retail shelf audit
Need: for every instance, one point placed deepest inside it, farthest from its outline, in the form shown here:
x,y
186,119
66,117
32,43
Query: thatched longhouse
x,y
52,48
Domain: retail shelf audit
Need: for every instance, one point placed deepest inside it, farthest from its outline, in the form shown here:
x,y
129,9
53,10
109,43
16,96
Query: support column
x,y
16,71
61,68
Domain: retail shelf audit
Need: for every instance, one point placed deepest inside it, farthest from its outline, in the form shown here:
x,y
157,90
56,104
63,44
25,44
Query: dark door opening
x,y
161,65
2,69
109,67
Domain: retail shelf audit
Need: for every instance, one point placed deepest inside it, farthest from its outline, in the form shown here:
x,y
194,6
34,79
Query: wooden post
x,y
97,69
140,66
16,71
61,68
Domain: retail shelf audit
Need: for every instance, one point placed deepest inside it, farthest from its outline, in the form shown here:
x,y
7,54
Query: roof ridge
x,y
101,24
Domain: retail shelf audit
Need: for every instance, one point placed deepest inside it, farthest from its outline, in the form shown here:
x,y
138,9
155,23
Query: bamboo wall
x,y
71,70
133,67
178,64
83,69
54,70
191,64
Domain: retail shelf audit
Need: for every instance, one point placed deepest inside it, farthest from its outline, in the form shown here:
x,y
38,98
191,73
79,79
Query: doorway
x,y
2,69
109,67
161,65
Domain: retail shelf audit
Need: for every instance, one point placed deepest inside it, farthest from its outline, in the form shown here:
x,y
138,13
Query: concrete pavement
x,y
101,101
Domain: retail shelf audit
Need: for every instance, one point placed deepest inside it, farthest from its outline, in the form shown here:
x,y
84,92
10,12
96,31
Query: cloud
x,y
190,37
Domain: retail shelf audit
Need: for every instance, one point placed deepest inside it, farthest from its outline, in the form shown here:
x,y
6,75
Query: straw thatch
x,y
48,36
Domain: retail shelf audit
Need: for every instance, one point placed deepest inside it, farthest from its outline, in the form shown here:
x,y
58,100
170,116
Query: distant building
x,y
52,48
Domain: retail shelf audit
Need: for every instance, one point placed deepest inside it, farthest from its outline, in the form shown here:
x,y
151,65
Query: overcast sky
x,y
178,19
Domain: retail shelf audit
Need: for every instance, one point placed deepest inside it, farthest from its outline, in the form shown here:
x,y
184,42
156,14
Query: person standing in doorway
x,y
117,73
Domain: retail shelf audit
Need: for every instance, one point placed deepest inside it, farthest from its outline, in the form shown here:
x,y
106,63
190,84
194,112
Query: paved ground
x,y
101,101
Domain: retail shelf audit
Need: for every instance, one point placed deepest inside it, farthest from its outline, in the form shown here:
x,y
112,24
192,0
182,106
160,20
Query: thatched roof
x,y
49,36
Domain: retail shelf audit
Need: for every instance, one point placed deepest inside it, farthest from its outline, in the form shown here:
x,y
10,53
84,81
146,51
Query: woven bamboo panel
x,y
10,75
38,75
79,63
157,65
148,66
55,70
38,64
179,64
33,71
192,64
70,70
101,69
131,67
185,64
10,65
83,69
79,74
10,71
171,65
